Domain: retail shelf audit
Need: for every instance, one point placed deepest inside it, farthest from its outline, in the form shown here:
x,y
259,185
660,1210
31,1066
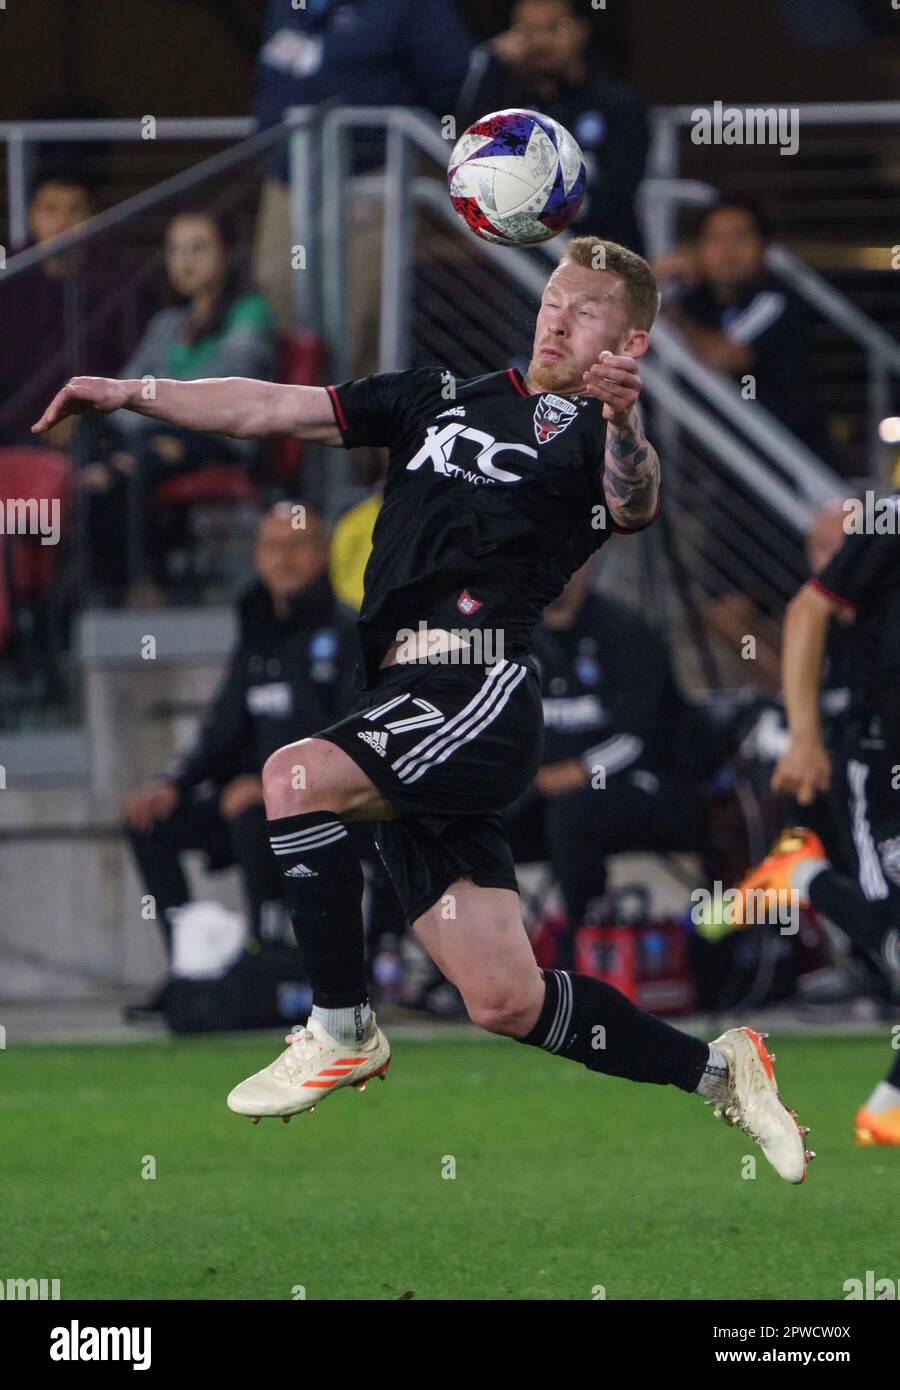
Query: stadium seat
x,y
26,574
301,361
218,483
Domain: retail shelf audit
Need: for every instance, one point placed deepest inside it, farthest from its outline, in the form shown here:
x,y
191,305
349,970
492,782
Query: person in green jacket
x,y
214,328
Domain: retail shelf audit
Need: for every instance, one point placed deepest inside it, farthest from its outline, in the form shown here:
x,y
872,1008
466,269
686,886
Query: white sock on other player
x,y
884,1097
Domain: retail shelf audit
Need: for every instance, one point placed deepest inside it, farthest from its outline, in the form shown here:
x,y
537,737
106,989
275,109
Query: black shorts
x,y
449,746
865,780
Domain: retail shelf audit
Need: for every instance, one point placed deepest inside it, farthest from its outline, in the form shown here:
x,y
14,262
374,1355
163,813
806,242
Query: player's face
x,y
196,260
550,35
730,249
289,558
582,314
57,208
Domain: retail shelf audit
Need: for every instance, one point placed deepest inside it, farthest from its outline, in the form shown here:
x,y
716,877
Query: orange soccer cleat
x,y
767,892
881,1127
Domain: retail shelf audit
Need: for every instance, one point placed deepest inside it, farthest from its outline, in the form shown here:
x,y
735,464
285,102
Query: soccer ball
x,y
516,177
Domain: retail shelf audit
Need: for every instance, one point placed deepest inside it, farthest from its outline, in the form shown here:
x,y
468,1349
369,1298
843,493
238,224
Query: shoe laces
x,y
289,1064
730,1112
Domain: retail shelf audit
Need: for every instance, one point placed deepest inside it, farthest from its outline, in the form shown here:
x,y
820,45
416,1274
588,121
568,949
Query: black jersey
x,y
493,498
864,576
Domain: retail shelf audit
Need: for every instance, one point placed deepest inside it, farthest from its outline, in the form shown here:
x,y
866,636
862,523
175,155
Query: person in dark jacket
x,y
541,64
291,671
399,53
625,755
740,320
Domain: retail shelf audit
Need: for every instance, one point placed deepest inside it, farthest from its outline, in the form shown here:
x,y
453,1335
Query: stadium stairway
x,y
70,903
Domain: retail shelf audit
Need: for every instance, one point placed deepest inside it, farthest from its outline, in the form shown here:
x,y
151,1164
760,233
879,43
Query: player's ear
x,y
636,343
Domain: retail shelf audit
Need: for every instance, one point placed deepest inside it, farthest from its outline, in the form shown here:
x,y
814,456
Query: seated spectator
x,y
213,330
625,756
741,321
541,63
290,674
74,312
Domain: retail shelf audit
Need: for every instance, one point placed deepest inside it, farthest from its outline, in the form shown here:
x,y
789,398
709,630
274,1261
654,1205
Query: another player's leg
x,y
311,789
868,912
476,936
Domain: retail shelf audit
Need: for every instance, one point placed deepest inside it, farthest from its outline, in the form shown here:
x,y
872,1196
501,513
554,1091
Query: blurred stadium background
x,y
232,123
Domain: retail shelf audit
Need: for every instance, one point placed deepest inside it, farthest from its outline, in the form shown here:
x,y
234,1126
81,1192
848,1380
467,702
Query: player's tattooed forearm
x,y
631,475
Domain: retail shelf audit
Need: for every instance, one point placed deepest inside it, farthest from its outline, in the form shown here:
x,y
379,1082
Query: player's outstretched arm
x,y
631,464
804,769
234,406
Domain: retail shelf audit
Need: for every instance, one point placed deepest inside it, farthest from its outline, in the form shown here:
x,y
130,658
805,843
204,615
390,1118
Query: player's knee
x,y
290,784
509,1014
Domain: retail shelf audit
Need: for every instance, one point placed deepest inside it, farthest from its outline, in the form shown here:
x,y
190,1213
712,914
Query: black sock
x,y
869,923
323,885
590,1022
893,1076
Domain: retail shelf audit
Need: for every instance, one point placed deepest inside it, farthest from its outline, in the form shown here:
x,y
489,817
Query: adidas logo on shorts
x,y
378,741
300,871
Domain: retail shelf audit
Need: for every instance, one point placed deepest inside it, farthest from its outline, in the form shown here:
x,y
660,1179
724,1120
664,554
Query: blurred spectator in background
x,y
290,674
625,756
214,329
73,313
541,63
356,53
740,320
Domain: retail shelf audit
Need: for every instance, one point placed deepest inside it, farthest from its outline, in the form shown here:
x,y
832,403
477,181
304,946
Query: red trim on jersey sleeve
x,y
632,530
514,378
835,598
336,406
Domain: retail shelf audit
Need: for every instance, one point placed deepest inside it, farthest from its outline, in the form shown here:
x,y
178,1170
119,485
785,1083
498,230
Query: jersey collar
x,y
518,383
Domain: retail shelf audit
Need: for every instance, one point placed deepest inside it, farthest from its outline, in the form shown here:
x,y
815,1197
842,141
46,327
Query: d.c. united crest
x,y
552,415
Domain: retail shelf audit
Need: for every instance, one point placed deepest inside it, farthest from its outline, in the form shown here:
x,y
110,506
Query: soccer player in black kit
x,y
498,489
861,583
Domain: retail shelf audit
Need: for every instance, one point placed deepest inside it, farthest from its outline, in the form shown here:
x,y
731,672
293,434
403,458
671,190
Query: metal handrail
x,y
813,477
129,128
813,112
833,305
20,135
148,198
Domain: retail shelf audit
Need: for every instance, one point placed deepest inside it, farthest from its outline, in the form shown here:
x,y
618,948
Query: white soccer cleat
x,y
753,1103
313,1065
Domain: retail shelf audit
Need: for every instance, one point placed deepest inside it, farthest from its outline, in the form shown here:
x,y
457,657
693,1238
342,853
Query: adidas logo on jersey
x,y
454,410
300,871
378,741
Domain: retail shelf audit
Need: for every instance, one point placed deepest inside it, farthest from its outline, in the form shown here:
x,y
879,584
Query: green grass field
x,y
564,1180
